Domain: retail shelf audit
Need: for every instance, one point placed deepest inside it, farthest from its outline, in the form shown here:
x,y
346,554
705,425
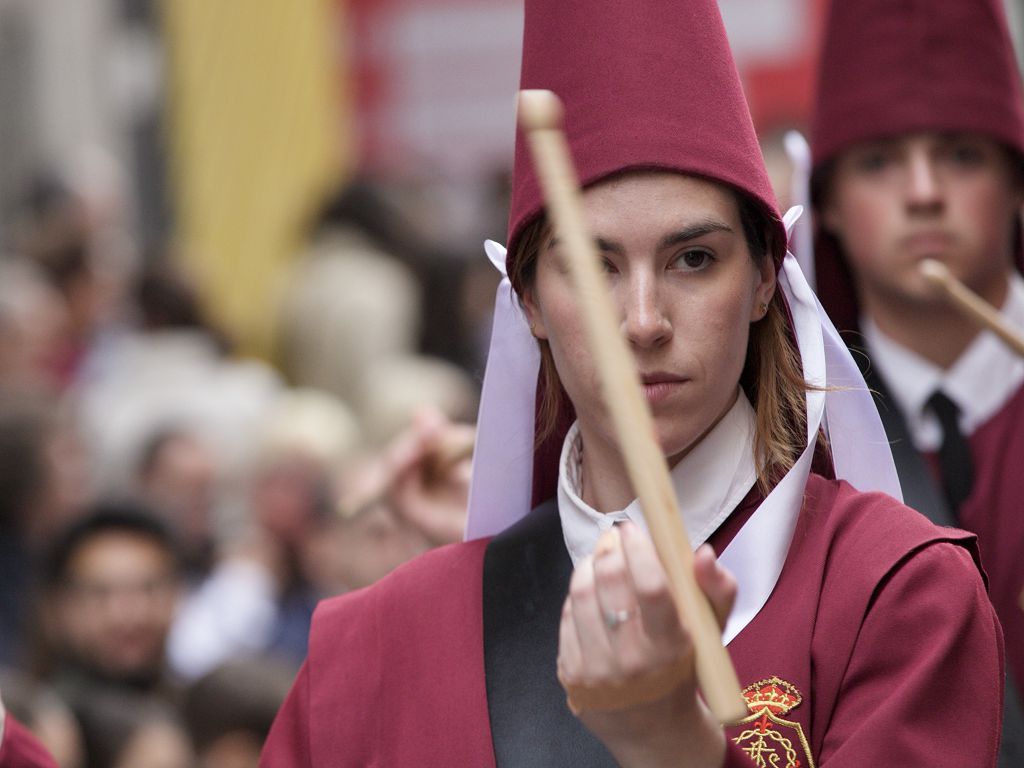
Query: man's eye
x,y
872,161
966,154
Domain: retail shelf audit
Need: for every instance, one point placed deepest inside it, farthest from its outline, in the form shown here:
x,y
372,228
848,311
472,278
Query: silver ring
x,y
613,619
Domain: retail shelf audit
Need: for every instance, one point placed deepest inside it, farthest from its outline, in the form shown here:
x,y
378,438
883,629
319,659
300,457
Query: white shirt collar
x,y
981,380
709,482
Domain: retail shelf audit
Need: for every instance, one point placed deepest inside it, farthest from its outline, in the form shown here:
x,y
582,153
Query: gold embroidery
x,y
765,741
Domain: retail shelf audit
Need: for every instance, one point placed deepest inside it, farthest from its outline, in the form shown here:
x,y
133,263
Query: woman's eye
x,y
608,267
694,260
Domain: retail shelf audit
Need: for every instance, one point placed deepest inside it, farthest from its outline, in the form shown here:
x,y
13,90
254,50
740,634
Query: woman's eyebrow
x,y
603,245
692,232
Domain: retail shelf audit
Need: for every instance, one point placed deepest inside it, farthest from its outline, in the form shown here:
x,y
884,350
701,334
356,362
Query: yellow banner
x,y
258,134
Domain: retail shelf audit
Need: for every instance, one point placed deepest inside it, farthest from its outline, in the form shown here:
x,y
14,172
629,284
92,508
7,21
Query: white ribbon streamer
x,y
502,479
802,243
757,553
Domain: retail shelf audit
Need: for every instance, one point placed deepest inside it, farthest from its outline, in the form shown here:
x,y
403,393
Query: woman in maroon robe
x,y
918,143
861,632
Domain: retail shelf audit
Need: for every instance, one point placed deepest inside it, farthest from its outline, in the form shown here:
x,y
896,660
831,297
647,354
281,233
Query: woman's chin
x,y
676,448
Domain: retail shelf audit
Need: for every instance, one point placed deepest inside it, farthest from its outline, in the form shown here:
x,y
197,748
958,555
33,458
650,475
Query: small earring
x,y
764,309
533,330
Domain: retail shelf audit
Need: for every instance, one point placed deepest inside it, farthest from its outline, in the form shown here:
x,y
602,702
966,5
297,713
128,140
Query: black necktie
x,y
955,453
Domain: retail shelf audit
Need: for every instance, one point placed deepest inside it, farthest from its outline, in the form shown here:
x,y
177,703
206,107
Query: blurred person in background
x,y
179,475
42,711
415,409
304,443
918,148
396,503
324,516
258,596
165,298
112,584
34,329
133,730
171,368
398,387
230,709
230,570
58,234
43,485
349,301
24,486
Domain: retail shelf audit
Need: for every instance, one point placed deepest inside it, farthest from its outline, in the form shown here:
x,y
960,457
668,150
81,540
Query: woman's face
x,y
686,288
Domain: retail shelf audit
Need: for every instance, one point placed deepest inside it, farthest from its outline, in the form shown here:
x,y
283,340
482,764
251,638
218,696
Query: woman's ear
x,y
533,314
767,282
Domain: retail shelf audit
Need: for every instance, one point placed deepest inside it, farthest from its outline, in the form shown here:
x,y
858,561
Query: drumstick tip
x,y
934,271
539,110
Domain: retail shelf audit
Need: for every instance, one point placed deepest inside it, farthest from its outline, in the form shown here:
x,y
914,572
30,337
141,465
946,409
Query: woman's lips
x,y
660,386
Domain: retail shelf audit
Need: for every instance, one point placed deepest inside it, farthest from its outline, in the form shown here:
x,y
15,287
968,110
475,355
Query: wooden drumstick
x,y
971,304
540,114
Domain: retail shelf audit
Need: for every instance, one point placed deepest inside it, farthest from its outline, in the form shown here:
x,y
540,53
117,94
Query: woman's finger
x,y
619,608
570,655
657,607
595,651
717,583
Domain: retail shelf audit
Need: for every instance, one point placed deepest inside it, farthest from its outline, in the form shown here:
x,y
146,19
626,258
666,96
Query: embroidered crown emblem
x,y
766,737
773,694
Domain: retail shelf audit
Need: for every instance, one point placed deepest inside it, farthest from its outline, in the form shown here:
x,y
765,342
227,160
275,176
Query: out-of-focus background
x,y
244,315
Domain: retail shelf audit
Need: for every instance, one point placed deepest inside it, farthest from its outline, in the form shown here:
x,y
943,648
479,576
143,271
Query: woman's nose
x,y
645,322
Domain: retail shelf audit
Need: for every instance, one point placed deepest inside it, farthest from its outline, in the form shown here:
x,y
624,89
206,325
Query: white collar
x,y
709,482
980,382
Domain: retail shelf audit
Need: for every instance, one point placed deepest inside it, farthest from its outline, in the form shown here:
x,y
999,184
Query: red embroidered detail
x,y
773,694
766,740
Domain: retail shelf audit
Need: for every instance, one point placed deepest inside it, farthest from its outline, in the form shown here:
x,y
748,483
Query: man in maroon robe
x,y
918,143
876,643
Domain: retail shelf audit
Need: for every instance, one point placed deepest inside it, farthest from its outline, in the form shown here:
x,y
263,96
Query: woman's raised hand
x,y
626,659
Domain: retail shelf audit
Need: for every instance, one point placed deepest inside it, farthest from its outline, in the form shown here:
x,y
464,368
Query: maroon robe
x,y
20,749
995,512
878,646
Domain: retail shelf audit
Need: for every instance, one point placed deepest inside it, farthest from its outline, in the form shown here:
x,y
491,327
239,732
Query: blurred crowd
x,y
171,513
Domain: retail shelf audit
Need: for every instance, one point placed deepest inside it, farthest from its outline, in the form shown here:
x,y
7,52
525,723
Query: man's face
x,y
183,484
116,608
895,202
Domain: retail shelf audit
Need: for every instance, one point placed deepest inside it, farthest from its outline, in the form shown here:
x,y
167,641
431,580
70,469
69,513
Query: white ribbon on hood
x,y
502,478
